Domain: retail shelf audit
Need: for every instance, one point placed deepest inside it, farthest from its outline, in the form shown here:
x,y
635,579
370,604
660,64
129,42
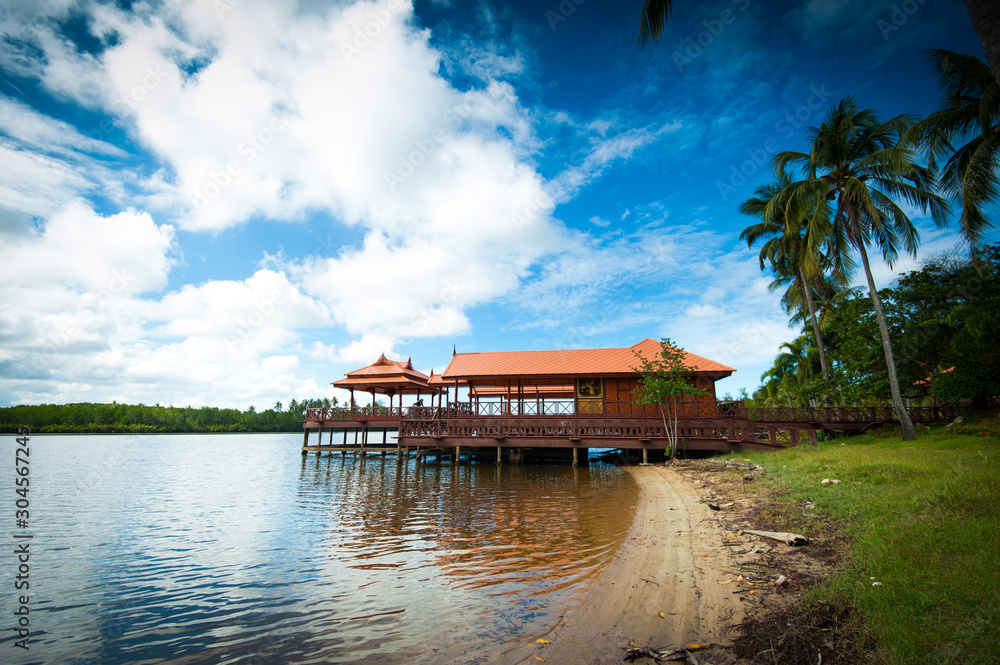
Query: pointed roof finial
x,y
454,351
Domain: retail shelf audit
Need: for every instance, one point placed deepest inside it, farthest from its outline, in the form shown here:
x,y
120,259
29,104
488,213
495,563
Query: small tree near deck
x,y
662,383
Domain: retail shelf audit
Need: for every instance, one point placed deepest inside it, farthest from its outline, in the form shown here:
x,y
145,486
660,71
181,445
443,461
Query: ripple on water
x,y
234,549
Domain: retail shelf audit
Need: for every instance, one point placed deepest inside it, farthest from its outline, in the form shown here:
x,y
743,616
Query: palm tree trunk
x,y
985,15
807,293
909,431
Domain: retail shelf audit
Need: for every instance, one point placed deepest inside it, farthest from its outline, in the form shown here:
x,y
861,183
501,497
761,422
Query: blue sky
x,y
234,202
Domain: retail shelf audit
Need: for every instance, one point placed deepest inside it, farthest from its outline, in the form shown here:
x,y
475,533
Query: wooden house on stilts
x,y
512,404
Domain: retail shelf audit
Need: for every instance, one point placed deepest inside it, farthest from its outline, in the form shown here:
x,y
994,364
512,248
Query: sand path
x,y
671,561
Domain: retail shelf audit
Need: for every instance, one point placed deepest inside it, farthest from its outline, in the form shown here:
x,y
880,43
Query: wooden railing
x,y
836,414
561,408
601,428
341,413
529,414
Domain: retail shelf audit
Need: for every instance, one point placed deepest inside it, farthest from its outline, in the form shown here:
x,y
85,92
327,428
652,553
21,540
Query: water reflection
x,y
506,529
234,549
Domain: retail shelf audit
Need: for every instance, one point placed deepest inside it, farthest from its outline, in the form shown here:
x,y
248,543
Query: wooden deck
x,y
532,425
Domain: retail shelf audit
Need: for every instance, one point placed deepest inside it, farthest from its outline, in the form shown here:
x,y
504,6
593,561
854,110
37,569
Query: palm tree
x,y
792,373
861,164
654,16
969,115
985,15
793,251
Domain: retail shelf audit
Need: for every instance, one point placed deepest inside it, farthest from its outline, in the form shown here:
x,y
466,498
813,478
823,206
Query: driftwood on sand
x,y
793,539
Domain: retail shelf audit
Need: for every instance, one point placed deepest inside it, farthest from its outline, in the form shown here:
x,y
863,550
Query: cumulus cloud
x,y
86,317
227,113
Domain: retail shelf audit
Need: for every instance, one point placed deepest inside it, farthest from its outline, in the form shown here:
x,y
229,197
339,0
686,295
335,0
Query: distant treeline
x,y
113,418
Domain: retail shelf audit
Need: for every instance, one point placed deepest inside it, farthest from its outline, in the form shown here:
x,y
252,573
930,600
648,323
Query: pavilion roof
x,y
387,376
567,363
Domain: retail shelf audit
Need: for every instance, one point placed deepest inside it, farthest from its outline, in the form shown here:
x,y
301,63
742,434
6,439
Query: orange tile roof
x,y
927,381
571,362
385,375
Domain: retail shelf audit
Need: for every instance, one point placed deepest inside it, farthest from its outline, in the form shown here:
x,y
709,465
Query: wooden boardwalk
x,y
457,426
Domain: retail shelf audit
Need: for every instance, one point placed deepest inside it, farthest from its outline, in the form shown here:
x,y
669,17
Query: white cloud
x,y
37,184
126,253
277,112
86,318
26,125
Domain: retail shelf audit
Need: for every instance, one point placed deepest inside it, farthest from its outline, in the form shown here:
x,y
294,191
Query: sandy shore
x,y
671,561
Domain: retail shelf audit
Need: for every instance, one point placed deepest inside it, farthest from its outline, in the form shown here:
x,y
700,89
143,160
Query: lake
x,y
236,549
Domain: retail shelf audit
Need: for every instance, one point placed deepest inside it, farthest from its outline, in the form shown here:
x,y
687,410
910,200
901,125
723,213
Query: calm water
x,y
235,549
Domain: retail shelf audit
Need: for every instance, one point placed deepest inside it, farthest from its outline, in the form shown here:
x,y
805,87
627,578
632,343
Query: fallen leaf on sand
x,y
541,641
661,615
739,579
539,658
694,645
612,581
725,581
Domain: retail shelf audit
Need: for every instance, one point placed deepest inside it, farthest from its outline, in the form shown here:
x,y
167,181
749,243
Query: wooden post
x,y
458,453
345,436
645,456
576,456
305,440
499,455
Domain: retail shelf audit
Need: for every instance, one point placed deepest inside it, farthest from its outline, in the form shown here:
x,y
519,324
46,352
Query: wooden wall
x,y
620,394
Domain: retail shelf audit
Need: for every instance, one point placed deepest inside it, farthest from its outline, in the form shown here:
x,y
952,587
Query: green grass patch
x,y
922,519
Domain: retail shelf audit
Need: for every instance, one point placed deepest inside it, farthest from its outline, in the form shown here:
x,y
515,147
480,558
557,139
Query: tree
x,y
985,15
793,249
945,326
662,383
861,164
654,16
969,115
792,378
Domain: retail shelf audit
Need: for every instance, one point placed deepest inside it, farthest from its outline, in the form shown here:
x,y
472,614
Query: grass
x,y
922,519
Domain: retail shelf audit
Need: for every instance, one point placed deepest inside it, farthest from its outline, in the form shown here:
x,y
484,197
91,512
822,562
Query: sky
x,y
235,202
